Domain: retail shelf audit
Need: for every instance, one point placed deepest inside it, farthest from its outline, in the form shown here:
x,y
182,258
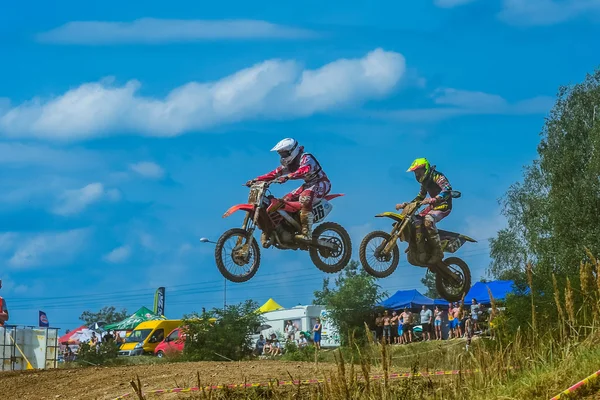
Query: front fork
x,y
248,225
394,236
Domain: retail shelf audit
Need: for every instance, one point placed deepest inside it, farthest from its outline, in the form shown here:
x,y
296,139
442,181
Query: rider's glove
x,y
401,206
282,179
429,200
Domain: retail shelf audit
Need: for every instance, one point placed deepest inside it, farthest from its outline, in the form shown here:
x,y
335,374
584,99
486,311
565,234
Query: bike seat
x,y
395,216
332,196
292,206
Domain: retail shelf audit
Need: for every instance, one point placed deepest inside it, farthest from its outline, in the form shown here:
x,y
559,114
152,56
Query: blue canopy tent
x,y
499,290
441,302
406,298
414,299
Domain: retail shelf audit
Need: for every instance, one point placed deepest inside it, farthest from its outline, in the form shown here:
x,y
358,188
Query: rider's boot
x,y
437,254
264,240
421,249
306,219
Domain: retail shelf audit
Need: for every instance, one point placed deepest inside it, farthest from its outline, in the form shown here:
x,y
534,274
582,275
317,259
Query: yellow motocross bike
x,y
379,253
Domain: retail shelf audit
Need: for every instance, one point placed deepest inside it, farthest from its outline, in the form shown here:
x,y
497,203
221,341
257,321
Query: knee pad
x,y
429,223
306,202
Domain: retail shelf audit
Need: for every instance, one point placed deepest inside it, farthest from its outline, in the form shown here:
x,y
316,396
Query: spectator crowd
x,y
274,346
452,322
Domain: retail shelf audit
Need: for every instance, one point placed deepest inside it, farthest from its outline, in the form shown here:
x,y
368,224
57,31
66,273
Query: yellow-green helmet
x,y
418,164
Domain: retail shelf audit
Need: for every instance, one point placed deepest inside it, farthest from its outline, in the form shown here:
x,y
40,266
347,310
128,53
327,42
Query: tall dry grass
x,y
535,362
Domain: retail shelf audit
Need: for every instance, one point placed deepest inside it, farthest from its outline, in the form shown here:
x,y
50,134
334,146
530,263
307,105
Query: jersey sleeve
x,y
277,172
445,187
422,194
307,165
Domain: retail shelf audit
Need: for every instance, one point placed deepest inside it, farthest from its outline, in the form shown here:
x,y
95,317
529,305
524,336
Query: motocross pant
x,y
430,218
307,194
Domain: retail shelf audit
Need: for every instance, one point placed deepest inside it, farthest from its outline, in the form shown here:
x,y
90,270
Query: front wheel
x,y
237,257
451,291
373,261
331,261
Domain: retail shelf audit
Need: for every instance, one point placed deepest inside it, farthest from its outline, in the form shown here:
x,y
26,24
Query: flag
x,y
159,301
43,320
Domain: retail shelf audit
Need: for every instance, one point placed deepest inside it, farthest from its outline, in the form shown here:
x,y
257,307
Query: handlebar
x,y
419,204
267,183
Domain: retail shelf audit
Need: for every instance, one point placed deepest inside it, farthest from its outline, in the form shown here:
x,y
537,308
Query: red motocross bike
x,y
237,252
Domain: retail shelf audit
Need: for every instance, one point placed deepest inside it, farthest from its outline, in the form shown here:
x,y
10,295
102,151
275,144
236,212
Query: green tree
x,y
429,282
109,315
227,332
351,302
553,213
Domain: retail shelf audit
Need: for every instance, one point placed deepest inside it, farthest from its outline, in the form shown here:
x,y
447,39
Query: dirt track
x,y
109,382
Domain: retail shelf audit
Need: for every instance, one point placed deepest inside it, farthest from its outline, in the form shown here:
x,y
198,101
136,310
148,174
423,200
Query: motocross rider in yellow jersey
x,y
439,207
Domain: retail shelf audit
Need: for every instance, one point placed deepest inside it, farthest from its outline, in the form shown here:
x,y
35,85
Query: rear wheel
x,y
237,257
377,264
160,354
331,261
454,291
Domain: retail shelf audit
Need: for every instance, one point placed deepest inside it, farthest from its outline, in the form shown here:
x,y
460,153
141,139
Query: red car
x,y
172,344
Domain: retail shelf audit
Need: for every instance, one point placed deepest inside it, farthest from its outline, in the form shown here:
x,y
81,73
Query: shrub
x,y
102,354
295,353
221,333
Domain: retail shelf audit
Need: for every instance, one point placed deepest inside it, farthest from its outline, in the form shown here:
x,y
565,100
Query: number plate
x,y
321,210
253,196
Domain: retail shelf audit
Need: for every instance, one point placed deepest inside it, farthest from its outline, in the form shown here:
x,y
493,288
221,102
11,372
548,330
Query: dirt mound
x,y
109,382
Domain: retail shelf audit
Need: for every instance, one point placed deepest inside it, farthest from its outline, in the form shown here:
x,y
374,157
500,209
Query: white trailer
x,y
304,318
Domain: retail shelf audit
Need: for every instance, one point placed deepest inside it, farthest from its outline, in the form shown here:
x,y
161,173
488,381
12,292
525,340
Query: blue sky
x,y
127,128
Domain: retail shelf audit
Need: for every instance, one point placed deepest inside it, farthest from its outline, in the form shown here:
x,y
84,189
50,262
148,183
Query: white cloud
x,y
468,99
273,89
155,31
546,12
456,102
49,248
185,248
153,244
74,201
7,241
118,255
452,3
537,12
148,169
15,154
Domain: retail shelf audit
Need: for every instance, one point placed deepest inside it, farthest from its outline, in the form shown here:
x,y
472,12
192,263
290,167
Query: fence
x,y
28,348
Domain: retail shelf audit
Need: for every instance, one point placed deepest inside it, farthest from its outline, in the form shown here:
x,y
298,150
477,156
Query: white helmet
x,y
288,150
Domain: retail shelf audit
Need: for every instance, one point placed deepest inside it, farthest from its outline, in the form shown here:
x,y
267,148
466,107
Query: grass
x,y
119,361
543,360
537,361
539,376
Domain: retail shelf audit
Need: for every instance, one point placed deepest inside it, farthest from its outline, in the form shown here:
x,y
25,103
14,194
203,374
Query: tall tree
x,y
429,282
350,303
554,213
107,314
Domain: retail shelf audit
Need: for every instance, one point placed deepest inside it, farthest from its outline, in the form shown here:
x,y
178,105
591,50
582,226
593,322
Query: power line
x,y
106,297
